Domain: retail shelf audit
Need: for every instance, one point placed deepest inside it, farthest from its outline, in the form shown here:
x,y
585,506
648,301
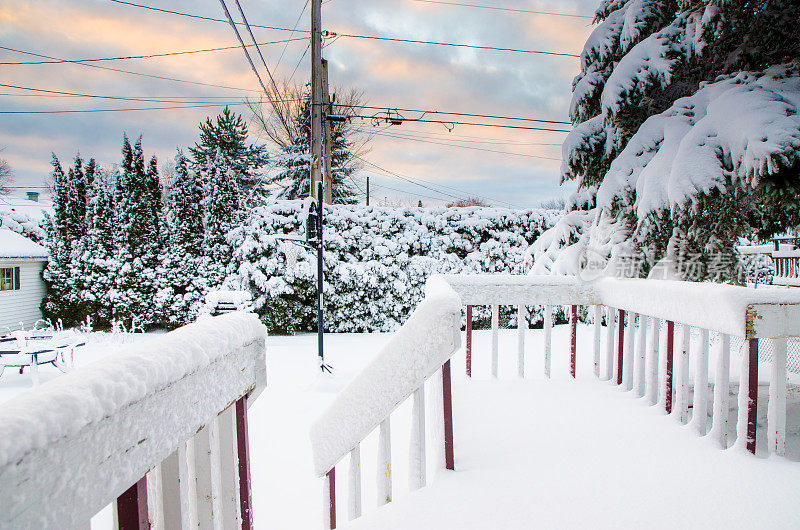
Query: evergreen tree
x,y
686,135
222,207
294,161
137,235
182,287
228,135
65,230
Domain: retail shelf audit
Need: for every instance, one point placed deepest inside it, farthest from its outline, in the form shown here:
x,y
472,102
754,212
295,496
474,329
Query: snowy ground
x,y
563,454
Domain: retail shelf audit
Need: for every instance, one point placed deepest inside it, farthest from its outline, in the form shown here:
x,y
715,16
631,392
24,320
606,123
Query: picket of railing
x,y
422,347
159,430
646,317
787,267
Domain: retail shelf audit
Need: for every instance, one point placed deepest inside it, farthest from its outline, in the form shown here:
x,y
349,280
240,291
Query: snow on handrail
x,y
78,442
425,341
729,309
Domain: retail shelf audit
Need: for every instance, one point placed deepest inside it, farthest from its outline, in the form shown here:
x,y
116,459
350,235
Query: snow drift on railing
x,y
62,407
425,341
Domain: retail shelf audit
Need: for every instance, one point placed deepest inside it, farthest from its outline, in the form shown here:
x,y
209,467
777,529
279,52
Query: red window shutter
x,y
16,278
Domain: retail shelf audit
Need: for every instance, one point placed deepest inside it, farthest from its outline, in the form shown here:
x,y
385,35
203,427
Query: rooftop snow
x,y
13,245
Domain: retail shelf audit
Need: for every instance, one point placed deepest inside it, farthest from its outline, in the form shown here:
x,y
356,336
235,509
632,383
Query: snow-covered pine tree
x,y
181,287
686,137
222,206
137,235
228,134
293,164
65,230
96,266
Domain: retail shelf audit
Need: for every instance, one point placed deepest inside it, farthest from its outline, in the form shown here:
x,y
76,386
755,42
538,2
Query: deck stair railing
x,y
419,350
637,312
159,431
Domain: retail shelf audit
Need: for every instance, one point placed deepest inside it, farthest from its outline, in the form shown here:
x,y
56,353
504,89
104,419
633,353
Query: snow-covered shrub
x,y
686,136
376,260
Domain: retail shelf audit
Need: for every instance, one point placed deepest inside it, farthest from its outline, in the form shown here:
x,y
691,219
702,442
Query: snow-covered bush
x,y
376,260
686,137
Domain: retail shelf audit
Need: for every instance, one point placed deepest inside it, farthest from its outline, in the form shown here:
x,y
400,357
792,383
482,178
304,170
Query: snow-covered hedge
x,y
376,260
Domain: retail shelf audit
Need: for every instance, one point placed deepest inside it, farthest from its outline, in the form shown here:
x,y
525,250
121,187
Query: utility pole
x,y
326,124
316,94
367,190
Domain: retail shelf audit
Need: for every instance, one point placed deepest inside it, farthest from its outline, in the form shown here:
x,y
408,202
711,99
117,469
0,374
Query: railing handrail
x,y
100,428
739,311
429,337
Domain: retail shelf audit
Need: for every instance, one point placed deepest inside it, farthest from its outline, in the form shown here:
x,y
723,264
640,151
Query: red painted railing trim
x,y
469,341
243,450
620,344
332,490
132,507
668,375
752,390
447,397
573,339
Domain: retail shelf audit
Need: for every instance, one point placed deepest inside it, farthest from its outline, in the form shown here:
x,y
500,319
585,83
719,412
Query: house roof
x,y
13,245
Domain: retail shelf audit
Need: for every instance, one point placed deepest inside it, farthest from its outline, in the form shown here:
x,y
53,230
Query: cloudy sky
x,y
512,167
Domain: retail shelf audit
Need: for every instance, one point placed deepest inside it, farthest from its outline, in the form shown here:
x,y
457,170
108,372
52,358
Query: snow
x,y
13,245
64,405
580,444
414,353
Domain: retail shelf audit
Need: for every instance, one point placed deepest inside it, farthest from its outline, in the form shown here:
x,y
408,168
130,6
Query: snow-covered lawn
x,y
557,454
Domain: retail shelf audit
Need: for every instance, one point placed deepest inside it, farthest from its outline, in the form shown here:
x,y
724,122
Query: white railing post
x,y
229,476
354,484
385,462
682,387
522,324
548,331
174,490
776,413
417,460
598,326
611,315
639,365
628,361
206,458
722,407
495,326
700,406
652,363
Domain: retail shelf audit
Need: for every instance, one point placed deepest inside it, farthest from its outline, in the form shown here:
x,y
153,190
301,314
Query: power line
x,y
274,104
76,111
191,15
371,37
278,62
451,124
148,56
451,44
472,139
165,78
513,10
441,112
59,93
467,147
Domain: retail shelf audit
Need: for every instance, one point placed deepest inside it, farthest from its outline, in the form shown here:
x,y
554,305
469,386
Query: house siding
x,y
22,305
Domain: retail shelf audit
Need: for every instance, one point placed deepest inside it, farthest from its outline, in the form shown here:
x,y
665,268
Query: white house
x,y
21,284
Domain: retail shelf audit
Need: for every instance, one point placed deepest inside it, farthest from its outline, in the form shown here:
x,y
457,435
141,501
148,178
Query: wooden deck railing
x,y
159,431
421,348
637,312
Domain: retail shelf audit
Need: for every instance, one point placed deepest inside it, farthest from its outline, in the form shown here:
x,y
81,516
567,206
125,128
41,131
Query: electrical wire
x,y
451,44
131,72
191,15
76,111
451,124
472,148
278,62
510,9
371,37
300,61
148,56
471,139
441,112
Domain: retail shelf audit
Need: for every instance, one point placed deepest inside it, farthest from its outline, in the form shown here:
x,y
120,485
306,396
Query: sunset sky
x,y
465,161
